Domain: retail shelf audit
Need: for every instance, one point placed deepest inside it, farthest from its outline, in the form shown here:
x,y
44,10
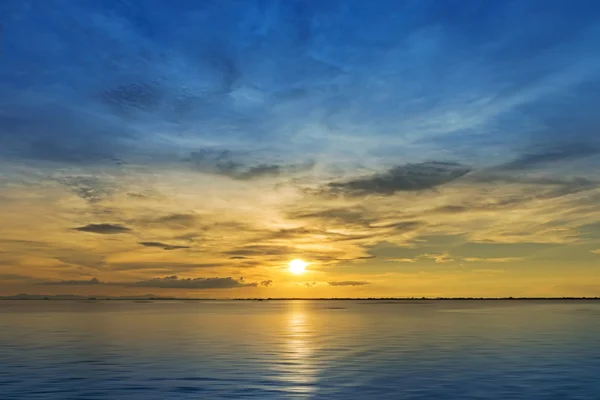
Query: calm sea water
x,y
300,349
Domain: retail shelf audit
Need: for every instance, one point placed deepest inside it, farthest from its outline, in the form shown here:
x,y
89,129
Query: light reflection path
x,y
299,367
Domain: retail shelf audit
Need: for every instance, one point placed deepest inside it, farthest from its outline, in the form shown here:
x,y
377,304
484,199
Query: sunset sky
x,y
400,148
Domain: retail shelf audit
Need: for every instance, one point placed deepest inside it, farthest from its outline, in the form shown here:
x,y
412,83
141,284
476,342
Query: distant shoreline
x,y
374,299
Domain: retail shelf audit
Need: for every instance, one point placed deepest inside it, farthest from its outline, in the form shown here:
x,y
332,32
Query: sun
x,y
297,266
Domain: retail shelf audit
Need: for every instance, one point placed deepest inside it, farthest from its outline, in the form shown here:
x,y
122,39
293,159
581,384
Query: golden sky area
x,y
132,228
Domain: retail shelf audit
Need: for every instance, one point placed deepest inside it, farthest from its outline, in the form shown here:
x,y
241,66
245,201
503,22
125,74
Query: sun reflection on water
x,y
298,367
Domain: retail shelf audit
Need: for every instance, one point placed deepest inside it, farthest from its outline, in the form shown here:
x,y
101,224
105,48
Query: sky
x,y
400,148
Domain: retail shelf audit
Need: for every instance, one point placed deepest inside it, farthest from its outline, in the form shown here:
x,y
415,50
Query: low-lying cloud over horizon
x,y
174,282
168,282
404,152
93,281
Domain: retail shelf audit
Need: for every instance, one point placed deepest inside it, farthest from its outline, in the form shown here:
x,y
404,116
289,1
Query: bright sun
x,y
297,266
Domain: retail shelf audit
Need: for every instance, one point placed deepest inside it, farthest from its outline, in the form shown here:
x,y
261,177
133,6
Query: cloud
x,y
93,281
344,216
529,189
493,260
545,189
103,229
168,282
259,171
14,277
348,283
403,226
163,266
566,152
173,221
174,282
409,177
90,188
138,196
489,176
222,163
452,209
291,233
163,245
439,258
260,250
596,251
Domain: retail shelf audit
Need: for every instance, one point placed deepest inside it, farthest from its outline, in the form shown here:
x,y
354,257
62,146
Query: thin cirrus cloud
x,y
229,137
232,165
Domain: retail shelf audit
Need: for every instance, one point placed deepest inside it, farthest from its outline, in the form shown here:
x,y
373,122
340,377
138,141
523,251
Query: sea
x,y
300,349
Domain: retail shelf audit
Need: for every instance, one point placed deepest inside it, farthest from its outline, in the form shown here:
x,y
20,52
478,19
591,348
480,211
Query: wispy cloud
x,y
348,283
223,163
565,152
439,258
163,246
90,188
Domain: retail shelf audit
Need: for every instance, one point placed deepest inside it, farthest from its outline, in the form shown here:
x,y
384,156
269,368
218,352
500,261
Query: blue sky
x,y
275,128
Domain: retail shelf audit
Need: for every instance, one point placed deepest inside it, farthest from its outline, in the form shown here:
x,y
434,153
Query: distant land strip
x,y
380,299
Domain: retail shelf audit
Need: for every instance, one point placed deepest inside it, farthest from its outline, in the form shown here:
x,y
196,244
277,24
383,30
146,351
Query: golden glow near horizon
x,y
170,244
297,266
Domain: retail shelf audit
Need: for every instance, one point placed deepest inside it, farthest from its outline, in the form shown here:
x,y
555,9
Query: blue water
x,y
300,350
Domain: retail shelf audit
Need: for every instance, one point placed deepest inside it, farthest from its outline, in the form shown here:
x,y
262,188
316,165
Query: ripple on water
x,y
305,350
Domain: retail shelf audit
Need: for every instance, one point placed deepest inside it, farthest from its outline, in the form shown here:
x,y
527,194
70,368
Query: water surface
x,y
300,350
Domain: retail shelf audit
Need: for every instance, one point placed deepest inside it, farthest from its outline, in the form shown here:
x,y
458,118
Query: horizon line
x,y
68,297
